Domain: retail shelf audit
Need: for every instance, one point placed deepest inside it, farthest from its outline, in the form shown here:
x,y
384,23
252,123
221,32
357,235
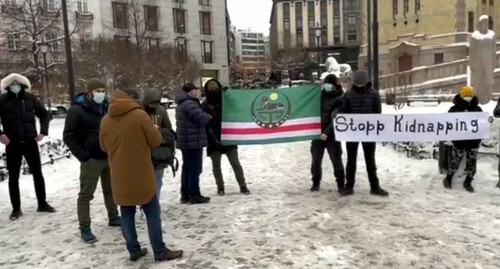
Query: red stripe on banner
x,y
283,129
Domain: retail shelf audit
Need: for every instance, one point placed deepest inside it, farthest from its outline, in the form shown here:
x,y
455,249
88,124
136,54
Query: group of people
x,y
127,142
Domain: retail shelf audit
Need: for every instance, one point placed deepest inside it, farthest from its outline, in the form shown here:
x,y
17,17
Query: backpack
x,y
164,155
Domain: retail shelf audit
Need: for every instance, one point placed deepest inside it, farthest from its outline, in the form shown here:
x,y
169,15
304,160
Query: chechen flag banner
x,y
264,116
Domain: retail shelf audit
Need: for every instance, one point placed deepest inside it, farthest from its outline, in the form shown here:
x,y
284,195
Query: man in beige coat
x,y
128,135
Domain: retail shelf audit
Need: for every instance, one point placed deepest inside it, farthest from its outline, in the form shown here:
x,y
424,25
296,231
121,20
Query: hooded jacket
x,y
361,100
191,122
330,103
460,105
213,106
151,101
81,128
128,136
18,111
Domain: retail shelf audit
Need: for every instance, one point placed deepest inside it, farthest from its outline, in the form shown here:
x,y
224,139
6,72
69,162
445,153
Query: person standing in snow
x,y
18,109
361,99
496,114
191,123
128,136
331,101
81,135
213,106
465,101
151,101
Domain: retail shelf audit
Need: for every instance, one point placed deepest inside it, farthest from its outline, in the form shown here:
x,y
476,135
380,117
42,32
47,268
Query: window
x,y
82,6
336,21
204,2
406,5
324,23
310,19
286,16
470,21
120,19
10,3
206,47
205,23
352,35
352,4
298,16
85,42
153,43
438,58
54,46
50,4
394,8
181,44
179,21
417,6
490,22
14,41
151,18
491,3
352,19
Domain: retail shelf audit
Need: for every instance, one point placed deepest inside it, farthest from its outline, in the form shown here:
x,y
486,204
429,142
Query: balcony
x,y
11,9
50,13
84,16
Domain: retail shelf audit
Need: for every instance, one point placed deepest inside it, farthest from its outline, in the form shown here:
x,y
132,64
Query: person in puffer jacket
x,y
465,101
191,123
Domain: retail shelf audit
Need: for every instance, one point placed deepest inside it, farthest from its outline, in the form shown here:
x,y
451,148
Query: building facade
x,y
251,51
416,33
321,27
195,27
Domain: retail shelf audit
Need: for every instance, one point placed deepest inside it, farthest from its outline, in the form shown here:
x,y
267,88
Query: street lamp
x,y
317,33
44,48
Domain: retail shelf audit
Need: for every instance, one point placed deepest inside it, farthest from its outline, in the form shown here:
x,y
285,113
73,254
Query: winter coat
x,y
151,101
330,103
361,100
191,122
81,128
18,112
460,105
128,136
213,106
496,112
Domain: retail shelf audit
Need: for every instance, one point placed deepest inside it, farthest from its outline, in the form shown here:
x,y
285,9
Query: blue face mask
x,y
327,87
99,97
16,88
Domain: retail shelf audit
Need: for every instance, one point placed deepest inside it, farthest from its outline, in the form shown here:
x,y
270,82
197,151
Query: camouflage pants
x,y
470,156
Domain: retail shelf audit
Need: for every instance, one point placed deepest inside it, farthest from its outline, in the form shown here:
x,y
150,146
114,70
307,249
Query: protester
x,y
191,123
331,101
128,136
151,101
18,109
496,114
362,99
213,106
81,135
465,101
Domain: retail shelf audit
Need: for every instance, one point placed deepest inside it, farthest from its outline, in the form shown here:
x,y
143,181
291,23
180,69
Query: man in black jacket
x,y
213,106
362,99
81,135
331,100
18,109
465,101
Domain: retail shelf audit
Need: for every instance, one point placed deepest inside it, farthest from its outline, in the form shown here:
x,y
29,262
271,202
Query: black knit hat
x,y
95,83
189,87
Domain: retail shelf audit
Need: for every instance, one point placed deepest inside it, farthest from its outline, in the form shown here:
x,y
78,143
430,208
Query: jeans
x,y
192,166
232,156
159,181
334,149
371,167
152,211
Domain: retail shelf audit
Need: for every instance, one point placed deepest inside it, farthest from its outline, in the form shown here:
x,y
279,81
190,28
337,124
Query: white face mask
x,y
16,88
99,97
328,87
468,99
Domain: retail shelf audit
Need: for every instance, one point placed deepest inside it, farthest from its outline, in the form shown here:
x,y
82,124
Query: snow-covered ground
x,y
281,224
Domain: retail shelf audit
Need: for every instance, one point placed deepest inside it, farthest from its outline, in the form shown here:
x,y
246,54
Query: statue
x,y
483,60
333,67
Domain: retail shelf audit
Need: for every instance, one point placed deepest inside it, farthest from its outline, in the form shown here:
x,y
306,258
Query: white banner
x,y
411,127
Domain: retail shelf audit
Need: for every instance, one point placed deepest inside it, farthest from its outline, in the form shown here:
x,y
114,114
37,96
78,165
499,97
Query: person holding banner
x,y
362,99
331,100
465,101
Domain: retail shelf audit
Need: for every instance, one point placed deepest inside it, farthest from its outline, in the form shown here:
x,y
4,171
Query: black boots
x,y
468,184
15,215
315,187
379,192
244,190
221,192
447,182
46,208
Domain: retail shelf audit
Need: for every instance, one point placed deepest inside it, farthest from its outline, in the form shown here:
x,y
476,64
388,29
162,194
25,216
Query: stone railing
x,y
427,74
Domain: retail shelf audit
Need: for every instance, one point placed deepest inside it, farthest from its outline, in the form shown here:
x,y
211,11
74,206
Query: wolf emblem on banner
x,y
271,109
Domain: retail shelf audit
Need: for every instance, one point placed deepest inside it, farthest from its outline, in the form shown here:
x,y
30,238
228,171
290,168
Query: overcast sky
x,y
253,14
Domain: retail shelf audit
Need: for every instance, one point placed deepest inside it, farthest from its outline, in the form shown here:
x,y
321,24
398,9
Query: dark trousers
x,y
371,167
153,218
192,166
232,156
334,149
15,152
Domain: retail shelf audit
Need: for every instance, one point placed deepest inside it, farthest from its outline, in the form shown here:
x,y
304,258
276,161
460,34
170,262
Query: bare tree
x,y
397,90
290,59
